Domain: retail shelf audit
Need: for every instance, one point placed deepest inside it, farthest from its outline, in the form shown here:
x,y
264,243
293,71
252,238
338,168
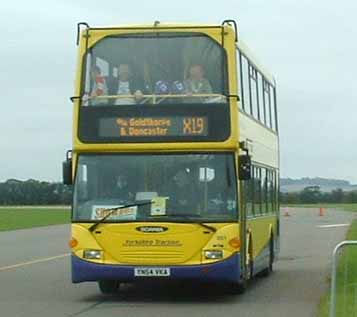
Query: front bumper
x,y
227,270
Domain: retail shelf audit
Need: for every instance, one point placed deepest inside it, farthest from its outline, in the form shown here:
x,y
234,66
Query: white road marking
x,y
14,266
334,226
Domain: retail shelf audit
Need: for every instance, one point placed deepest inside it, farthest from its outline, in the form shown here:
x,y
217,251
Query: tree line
x,y
313,194
34,192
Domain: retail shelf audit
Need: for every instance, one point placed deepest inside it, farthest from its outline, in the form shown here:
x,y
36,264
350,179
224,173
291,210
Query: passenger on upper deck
x,y
99,87
126,86
197,83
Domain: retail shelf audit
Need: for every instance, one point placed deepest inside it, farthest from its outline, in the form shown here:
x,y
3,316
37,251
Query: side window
x,y
245,85
253,77
257,94
263,188
261,192
240,83
274,192
261,99
86,88
273,108
267,103
257,192
270,191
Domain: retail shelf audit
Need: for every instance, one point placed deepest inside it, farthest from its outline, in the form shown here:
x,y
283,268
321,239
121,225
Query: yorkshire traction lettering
x,y
152,243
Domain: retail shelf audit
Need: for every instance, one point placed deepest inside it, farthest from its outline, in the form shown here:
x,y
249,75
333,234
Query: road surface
x,y
35,278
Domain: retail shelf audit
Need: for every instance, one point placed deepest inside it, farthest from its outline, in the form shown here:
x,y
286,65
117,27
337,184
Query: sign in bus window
x,y
101,211
153,126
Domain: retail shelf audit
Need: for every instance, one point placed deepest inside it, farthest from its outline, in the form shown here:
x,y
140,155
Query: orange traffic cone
x,y
321,212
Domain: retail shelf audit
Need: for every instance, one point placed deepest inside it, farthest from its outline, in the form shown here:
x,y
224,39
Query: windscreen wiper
x,y
112,210
189,217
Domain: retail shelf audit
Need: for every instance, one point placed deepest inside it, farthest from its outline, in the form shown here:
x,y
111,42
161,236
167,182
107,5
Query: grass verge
x,y
346,291
347,207
12,218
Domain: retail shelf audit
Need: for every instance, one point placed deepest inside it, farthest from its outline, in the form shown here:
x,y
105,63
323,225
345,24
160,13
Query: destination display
x,y
153,126
161,123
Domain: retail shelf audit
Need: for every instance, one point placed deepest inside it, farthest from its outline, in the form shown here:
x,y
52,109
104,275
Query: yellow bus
x,y
175,161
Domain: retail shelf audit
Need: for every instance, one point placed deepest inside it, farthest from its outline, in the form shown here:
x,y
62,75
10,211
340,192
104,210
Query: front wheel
x,y
240,287
108,287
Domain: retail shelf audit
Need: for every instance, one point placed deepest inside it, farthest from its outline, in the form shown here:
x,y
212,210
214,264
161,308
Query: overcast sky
x,y
309,46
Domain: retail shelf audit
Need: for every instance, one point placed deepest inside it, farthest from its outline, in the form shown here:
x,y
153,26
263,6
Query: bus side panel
x,y
261,230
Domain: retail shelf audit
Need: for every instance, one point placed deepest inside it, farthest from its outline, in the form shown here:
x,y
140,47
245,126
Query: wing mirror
x,y
67,169
245,167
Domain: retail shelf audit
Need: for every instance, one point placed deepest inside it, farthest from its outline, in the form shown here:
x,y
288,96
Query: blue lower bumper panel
x,y
227,270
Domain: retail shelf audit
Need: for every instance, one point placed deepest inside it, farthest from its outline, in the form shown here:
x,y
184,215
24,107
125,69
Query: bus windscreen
x,y
154,68
181,187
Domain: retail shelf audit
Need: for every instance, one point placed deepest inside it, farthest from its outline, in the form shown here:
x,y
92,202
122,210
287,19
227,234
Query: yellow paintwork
x,y
181,244
261,229
193,239
215,33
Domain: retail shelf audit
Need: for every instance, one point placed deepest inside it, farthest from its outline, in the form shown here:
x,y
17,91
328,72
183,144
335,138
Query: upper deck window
x,y
155,68
257,93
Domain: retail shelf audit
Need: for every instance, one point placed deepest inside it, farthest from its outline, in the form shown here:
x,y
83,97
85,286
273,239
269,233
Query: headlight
x,y
92,254
213,254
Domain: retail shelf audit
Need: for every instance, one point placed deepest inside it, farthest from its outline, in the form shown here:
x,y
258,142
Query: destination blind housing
x,y
132,124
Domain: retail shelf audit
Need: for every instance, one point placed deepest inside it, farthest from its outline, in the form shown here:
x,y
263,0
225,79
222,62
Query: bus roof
x,y
157,24
244,49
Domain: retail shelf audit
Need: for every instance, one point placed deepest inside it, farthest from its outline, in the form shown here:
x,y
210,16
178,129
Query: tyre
x,y
108,287
240,287
266,272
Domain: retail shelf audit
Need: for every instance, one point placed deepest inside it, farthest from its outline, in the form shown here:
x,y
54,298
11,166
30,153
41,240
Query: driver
x,y
182,194
122,190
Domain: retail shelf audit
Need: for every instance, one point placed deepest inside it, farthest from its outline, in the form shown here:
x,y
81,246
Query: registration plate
x,y
152,271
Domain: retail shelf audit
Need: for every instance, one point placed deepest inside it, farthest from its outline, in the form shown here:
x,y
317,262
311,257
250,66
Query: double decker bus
x,y
175,160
